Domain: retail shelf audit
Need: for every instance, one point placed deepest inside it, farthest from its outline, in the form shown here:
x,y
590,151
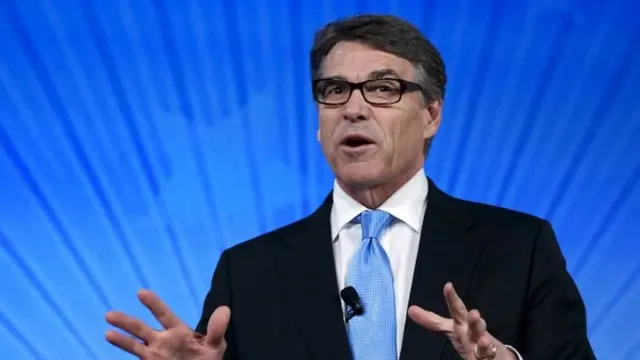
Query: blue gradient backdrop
x,y
138,138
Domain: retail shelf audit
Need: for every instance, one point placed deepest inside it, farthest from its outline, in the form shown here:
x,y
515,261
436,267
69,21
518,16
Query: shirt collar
x,y
407,204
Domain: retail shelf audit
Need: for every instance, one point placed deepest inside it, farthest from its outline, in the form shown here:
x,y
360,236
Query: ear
x,y
431,117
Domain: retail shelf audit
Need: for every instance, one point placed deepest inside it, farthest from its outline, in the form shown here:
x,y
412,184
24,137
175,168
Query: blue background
x,y
139,138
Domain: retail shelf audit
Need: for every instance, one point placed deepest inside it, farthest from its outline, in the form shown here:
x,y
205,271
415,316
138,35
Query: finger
x,y
484,346
477,326
457,309
126,343
131,325
159,309
430,320
217,326
456,342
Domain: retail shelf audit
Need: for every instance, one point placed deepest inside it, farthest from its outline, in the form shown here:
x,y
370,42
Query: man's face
x,y
368,145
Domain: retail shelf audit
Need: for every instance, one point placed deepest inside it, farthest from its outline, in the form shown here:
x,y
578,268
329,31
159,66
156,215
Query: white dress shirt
x,y
401,240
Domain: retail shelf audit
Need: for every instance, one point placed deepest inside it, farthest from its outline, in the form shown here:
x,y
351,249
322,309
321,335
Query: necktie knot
x,y
374,222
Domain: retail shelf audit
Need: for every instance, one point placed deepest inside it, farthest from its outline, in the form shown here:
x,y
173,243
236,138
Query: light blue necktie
x,y
372,335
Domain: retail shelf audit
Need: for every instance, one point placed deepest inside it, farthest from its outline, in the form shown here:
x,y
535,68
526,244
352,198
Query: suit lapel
x,y
446,253
308,278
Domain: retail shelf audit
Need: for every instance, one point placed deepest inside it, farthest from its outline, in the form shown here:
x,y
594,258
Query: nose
x,y
356,109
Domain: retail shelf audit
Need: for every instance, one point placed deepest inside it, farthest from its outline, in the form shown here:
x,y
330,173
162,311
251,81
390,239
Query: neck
x,y
374,196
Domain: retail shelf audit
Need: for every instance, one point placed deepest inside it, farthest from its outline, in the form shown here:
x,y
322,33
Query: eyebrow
x,y
376,74
382,73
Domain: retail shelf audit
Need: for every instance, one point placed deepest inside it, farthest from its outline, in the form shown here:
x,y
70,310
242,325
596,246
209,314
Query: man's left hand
x,y
467,330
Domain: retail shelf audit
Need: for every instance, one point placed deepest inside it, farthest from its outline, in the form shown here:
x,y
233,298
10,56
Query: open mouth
x,y
356,141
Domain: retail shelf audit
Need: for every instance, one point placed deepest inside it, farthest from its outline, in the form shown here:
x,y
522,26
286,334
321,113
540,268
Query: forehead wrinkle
x,y
378,62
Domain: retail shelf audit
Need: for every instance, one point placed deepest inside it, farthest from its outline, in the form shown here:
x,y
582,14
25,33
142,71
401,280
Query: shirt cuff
x,y
514,351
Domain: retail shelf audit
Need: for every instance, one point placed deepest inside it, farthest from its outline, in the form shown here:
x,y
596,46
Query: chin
x,y
360,174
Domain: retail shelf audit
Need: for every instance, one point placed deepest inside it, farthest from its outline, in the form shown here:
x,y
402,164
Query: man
x,y
429,276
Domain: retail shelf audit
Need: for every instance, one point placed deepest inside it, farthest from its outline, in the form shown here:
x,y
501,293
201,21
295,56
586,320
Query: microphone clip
x,y
352,301
350,314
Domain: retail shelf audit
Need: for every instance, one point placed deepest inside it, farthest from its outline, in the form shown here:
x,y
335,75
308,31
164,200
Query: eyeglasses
x,y
375,92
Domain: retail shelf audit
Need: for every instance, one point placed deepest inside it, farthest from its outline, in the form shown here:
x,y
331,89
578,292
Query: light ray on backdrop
x,y
140,138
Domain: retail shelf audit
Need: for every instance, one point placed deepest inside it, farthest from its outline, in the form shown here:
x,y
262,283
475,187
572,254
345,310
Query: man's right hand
x,y
175,341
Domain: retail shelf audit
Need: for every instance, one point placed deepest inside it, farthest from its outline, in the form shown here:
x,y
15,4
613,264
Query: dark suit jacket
x,y
285,304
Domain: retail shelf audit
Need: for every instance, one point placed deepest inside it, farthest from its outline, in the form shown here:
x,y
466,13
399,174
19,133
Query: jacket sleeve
x,y
220,294
556,321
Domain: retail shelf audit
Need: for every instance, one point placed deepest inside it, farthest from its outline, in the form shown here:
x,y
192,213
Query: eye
x,y
332,87
383,86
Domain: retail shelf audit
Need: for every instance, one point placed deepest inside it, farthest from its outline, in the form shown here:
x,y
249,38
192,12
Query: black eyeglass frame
x,y
405,86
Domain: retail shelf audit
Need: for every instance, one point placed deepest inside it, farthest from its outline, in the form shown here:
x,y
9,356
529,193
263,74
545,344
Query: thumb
x,y
217,326
430,320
